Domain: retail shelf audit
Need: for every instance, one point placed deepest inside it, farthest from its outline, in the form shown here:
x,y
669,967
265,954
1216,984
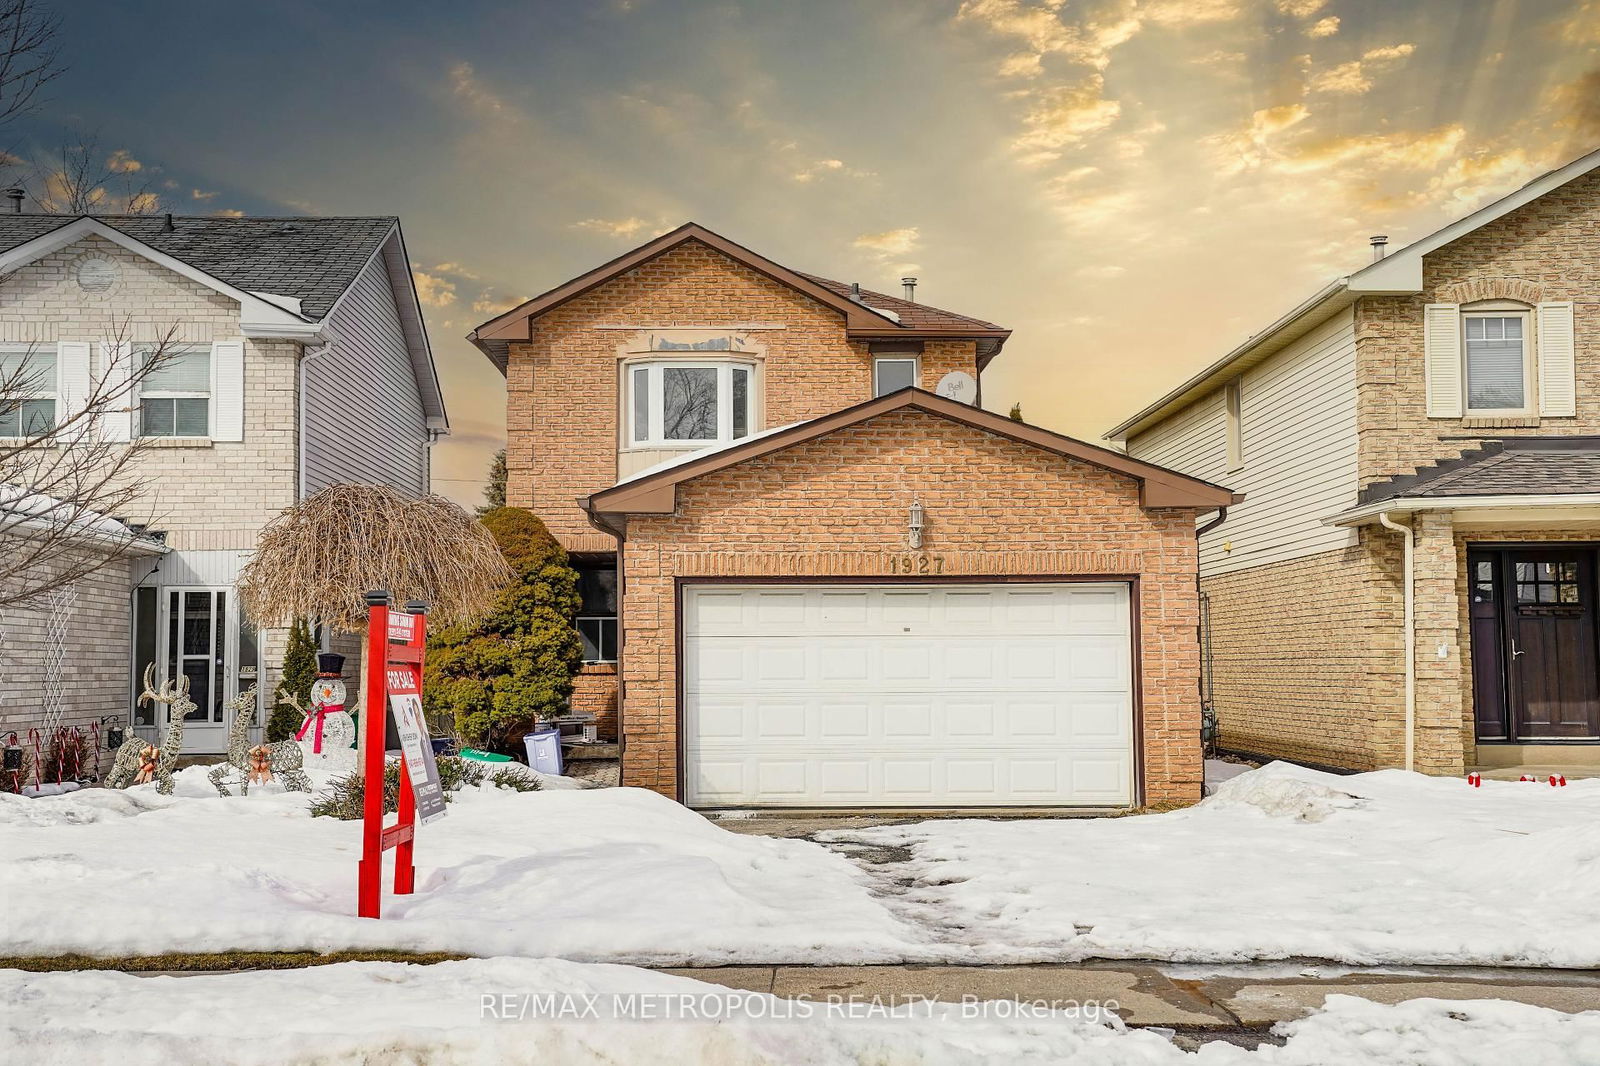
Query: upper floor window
x,y
891,373
673,403
27,391
175,395
1495,343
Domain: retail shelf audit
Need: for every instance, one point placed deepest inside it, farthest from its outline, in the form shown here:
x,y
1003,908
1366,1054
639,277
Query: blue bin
x,y
544,750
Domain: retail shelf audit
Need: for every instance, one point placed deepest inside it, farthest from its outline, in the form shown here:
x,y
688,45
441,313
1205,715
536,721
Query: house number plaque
x,y
915,563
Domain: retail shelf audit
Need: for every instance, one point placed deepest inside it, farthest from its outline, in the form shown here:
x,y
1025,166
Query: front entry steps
x,y
1498,761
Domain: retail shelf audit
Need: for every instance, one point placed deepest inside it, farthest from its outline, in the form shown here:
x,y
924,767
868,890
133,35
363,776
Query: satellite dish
x,y
960,386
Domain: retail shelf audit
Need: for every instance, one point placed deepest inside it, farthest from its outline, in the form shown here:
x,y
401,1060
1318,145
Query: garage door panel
x,y
882,696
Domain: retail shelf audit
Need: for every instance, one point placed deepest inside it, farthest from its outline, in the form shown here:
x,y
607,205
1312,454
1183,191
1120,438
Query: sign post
x,y
396,643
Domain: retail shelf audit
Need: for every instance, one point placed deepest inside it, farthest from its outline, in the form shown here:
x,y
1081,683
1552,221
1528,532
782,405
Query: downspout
x,y
1409,543
1208,708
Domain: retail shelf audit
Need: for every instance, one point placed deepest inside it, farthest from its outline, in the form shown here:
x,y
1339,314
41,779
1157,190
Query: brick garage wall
x,y
1547,250
95,676
562,386
837,506
1307,656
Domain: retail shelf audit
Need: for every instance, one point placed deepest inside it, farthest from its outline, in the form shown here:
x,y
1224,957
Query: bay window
x,y
675,403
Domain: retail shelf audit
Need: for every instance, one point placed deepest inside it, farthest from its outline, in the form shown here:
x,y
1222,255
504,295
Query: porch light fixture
x,y
914,527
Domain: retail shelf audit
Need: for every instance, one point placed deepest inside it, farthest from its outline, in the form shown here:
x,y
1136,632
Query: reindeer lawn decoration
x,y
138,761
258,764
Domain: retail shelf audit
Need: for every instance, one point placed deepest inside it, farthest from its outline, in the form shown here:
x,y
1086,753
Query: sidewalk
x,y
1239,1004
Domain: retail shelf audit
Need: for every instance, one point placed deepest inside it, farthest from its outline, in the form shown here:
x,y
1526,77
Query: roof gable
x,y
288,274
656,492
1398,273
879,316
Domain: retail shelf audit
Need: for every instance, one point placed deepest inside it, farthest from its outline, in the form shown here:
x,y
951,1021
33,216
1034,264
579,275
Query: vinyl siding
x,y
1298,419
364,416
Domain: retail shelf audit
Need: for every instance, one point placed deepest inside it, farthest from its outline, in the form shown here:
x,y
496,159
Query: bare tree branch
x,y
30,56
85,181
64,474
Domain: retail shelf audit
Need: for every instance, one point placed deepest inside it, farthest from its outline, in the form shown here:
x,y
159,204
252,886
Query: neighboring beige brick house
x,y
296,358
1437,415
839,582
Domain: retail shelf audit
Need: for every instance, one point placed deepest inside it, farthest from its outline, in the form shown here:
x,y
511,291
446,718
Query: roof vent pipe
x,y
1380,246
167,225
911,289
15,195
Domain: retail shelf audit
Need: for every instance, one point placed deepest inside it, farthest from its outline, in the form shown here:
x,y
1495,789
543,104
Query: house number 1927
x,y
916,564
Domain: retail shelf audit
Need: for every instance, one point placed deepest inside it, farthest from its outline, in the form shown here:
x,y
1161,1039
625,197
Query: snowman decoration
x,y
327,736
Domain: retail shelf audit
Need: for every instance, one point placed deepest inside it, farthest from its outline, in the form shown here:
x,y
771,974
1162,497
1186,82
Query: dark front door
x,y
1552,676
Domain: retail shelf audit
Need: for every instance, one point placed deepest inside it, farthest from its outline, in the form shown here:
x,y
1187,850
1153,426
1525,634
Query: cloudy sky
x,y
1132,186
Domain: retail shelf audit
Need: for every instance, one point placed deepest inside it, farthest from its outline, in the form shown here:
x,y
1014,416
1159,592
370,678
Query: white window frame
x,y
895,357
47,388
48,391
656,399
209,396
1501,309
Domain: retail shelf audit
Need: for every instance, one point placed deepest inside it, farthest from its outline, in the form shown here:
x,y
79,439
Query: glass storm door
x,y
197,643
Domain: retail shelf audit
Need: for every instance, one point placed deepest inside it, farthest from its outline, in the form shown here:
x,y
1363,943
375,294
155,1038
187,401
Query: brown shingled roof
x,y
912,315
875,316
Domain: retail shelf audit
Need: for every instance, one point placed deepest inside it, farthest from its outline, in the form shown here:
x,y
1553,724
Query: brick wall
x,y
1306,656
95,674
594,691
837,506
1547,250
206,495
562,387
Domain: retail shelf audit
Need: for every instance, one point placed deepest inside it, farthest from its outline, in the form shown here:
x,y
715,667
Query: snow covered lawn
x,y
1282,861
383,1012
596,875
1385,867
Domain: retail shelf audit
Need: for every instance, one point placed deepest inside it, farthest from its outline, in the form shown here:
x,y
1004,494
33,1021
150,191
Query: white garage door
x,y
907,695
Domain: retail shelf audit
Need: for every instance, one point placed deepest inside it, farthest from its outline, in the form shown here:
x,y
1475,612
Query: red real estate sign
x,y
396,643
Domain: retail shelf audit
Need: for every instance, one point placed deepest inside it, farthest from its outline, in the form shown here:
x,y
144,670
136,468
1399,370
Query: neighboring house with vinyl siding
x,y
1428,425
298,359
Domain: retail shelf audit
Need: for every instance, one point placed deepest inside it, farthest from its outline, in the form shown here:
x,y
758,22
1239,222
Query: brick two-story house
x,y
817,574
1411,579
293,357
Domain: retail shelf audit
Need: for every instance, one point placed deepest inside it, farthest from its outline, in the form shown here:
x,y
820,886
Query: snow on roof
x,y
700,453
38,509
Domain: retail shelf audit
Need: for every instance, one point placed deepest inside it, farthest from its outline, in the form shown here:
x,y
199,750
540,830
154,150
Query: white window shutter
x,y
74,380
1441,349
116,363
1558,362
227,390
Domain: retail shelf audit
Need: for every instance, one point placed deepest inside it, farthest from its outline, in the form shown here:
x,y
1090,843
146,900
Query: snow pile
x,y
531,1011
602,874
1283,862
1277,791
